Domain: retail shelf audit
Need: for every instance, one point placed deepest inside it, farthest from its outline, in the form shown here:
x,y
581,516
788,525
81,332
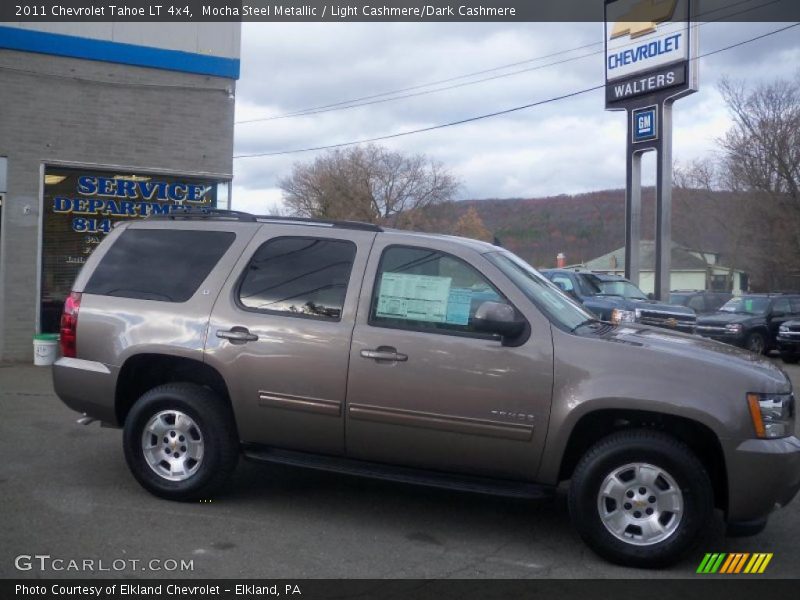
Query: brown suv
x,y
417,358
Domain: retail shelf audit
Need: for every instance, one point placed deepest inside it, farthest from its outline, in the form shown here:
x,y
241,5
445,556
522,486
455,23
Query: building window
x,y
81,206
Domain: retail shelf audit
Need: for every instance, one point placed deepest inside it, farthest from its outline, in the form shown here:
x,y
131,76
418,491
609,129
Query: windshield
x,y
557,306
620,288
748,305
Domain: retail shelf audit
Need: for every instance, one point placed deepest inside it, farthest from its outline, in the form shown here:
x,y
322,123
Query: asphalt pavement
x,y
66,492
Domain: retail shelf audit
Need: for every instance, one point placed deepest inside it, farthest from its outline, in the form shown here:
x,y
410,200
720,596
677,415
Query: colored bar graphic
x,y
733,563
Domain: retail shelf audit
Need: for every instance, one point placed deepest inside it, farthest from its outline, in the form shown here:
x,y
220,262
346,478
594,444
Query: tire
x,y
756,343
681,477
197,428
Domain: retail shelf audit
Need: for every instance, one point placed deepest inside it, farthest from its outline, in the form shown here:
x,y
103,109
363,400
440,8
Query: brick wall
x,y
130,117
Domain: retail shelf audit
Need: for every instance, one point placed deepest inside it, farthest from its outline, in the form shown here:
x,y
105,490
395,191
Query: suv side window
x,y
795,302
298,276
420,289
158,264
781,305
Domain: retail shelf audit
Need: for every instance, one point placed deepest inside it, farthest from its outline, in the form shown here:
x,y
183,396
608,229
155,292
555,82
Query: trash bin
x,y
45,349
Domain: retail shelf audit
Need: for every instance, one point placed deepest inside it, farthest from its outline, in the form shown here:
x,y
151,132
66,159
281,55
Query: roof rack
x,y
197,212
203,212
342,224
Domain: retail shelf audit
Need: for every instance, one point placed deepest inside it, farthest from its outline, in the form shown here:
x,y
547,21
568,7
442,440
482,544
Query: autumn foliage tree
x,y
472,226
368,183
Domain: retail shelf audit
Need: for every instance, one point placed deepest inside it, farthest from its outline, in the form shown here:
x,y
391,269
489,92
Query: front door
x,y
428,390
280,333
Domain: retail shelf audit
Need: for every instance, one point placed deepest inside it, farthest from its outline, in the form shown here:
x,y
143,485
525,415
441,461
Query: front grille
x,y
667,320
711,329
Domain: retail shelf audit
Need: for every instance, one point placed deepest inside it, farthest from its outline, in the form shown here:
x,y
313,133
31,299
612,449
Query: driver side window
x,y
421,289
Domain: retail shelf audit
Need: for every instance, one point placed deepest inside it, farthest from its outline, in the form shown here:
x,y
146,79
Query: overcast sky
x,y
565,147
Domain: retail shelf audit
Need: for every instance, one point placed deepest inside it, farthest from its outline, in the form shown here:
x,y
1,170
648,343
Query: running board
x,y
349,466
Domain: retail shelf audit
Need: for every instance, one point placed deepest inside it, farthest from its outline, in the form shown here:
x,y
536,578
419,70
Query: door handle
x,y
237,335
385,353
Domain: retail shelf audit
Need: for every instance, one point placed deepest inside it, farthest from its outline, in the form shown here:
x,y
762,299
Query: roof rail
x,y
320,222
203,212
198,212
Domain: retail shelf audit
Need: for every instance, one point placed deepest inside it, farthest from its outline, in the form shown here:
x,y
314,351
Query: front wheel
x,y
756,343
640,498
180,441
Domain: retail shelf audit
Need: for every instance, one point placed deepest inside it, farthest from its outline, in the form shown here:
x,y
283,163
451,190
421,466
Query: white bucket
x,y
45,349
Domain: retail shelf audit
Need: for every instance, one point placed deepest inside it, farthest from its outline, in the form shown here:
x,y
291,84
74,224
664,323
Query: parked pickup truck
x,y
751,321
614,298
421,359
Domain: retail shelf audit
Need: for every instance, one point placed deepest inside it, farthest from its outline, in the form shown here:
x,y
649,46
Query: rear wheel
x,y
756,343
640,498
180,441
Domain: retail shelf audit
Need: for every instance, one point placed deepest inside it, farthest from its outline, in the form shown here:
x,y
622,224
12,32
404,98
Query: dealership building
x,y
101,123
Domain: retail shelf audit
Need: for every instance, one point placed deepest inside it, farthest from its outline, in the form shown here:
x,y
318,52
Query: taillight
x,y
69,325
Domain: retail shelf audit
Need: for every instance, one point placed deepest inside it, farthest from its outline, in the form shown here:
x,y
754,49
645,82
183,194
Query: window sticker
x,y
459,303
414,297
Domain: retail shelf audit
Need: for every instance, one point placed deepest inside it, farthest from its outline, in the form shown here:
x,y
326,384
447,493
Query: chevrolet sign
x,y
645,35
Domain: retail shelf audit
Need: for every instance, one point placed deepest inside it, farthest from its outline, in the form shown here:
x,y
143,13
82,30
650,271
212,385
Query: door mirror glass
x,y
498,318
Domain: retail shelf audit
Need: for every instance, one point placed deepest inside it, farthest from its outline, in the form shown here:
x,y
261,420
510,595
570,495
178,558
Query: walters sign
x,y
648,47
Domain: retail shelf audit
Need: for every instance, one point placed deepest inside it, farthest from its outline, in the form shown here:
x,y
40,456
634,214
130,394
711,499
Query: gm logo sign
x,y
645,124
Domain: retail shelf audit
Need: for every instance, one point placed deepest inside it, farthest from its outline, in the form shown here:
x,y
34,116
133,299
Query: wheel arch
x,y
142,372
595,425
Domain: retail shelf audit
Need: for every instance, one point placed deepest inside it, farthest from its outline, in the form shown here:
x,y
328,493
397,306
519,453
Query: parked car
x,y
751,321
788,340
347,347
614,298
702,302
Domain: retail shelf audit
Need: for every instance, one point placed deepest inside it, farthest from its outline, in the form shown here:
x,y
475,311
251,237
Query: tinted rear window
x,y
158,264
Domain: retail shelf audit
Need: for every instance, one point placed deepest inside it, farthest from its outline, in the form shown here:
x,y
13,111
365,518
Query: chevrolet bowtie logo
x,y
643,18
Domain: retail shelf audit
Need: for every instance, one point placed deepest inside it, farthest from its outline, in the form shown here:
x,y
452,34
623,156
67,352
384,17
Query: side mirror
x,y
498,318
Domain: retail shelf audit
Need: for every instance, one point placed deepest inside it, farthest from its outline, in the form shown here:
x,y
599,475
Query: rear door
x,y
428,390
280,334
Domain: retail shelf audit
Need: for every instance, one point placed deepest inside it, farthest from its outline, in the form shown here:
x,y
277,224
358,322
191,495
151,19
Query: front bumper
x,y
87,387
762,475
736,339
788,345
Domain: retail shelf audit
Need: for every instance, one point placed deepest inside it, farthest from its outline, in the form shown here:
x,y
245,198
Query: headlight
x,y
772,414
622,316
783,328
733,328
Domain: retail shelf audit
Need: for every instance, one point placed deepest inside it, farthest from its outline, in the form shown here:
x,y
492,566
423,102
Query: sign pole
x,y
664,207
633,216
651,47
